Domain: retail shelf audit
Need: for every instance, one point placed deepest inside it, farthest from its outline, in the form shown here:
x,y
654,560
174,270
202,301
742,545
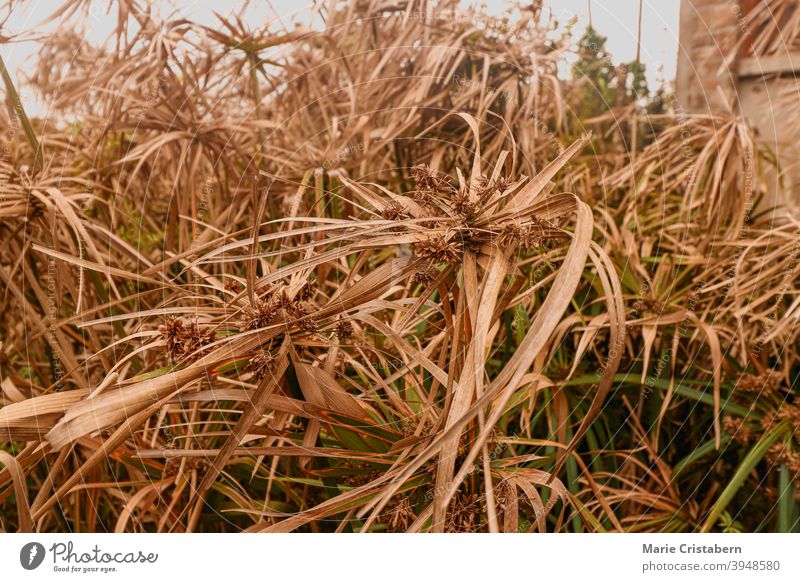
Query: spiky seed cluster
x,y
426,180
510,235
425,278
183,339
308,290
786,412
737,429
343,329
464,207
438,250
500,184
261,363
275,302
767,383
308,324
428,186
469,208
264,313
537,233
484,187
780,454
768,420
465,513
395,211
791,413
296,308
400,514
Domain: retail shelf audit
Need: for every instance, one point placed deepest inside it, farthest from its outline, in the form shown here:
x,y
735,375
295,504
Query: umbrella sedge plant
x,y
391,272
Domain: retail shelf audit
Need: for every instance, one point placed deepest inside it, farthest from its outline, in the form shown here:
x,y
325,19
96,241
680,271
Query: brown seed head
x,y
264,313
308,290
183,339
462,205
261,363
343,329
767,383
426,278
426,180
438,249
737,429
395,211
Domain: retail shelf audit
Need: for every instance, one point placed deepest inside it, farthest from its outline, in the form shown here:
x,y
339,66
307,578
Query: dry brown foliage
x,y
384,275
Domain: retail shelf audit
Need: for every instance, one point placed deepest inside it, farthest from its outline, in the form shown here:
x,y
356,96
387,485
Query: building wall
x,y
706,73
716,74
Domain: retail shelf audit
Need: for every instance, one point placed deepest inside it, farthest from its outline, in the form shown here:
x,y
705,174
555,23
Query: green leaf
x,y
698,453
749,463
23,118
787,504
682,389
522,322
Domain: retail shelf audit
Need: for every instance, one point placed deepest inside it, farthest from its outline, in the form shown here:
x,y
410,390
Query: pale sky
x,y
618,20
615,19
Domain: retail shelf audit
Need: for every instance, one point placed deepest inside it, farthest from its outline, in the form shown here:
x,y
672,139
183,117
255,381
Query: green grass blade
x,y
23,118
748,464
680,389
698,453
787,505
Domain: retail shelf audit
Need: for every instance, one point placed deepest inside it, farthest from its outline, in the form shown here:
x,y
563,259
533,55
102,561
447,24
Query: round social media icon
x,y
31,555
